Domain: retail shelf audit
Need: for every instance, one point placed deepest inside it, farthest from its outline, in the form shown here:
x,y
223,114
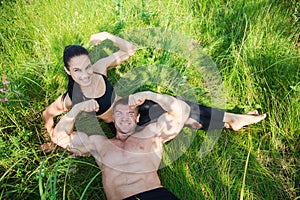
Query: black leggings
x,y
210,118
155,194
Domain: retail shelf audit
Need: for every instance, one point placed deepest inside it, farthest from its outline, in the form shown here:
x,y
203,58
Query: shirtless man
x,y
131,159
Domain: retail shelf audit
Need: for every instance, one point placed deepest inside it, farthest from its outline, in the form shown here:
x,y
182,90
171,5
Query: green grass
x,y
253,44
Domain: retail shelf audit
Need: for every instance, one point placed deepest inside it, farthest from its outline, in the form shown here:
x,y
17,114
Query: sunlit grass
x,y
253,46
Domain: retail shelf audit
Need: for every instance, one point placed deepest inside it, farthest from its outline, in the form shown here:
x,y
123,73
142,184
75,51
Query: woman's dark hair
x,y
70,52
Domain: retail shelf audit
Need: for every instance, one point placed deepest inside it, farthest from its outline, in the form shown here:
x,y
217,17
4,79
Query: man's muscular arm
x,y
63,134
170,123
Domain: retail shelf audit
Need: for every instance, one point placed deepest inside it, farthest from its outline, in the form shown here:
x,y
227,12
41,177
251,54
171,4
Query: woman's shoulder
x,y
67,102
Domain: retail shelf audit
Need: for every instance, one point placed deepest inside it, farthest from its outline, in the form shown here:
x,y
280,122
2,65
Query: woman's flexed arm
x,y
126,50
56,108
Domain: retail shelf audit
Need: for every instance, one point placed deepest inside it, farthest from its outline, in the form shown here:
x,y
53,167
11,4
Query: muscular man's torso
x,y
130,167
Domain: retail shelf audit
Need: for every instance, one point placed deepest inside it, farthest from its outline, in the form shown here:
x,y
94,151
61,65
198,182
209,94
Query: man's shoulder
x,y
147,131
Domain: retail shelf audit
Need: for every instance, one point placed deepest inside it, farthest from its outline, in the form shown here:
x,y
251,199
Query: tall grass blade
x,y
88,185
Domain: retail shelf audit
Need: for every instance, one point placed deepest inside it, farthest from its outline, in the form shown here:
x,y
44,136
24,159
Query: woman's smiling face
x,y
81,70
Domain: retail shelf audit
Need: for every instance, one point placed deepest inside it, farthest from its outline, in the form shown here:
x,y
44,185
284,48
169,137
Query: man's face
x,y
125,119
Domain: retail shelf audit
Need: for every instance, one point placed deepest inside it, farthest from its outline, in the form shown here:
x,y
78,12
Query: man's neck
x,y
122,137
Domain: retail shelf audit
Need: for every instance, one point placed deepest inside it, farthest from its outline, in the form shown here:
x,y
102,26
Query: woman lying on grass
x,y
89,81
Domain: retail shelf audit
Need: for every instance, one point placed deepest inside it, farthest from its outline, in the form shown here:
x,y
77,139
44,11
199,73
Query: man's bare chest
x,y
134,155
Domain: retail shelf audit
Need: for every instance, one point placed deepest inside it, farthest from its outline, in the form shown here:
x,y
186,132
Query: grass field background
x,y
255,45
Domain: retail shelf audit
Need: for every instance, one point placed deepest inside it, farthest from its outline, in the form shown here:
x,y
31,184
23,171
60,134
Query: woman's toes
x,y
253,112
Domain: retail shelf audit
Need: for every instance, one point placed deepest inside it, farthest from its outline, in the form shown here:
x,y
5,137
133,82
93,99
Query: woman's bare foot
x,y
237,121
193,124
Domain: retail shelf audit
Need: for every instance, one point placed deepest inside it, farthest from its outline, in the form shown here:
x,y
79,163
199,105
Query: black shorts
x,y
155,194
210,118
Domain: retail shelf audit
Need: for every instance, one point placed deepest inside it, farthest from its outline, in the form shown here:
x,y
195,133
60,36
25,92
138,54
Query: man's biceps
x,y
63,141
171,130
175,125
80,139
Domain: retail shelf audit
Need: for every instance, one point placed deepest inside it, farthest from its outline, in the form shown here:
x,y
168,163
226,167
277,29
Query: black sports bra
x,y
104,102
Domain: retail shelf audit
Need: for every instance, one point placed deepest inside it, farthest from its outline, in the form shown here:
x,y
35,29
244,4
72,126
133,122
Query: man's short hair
x,y
122,101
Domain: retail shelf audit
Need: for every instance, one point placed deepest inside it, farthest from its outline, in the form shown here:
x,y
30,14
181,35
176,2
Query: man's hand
x,y
85,106
88,106
137,99
99,37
